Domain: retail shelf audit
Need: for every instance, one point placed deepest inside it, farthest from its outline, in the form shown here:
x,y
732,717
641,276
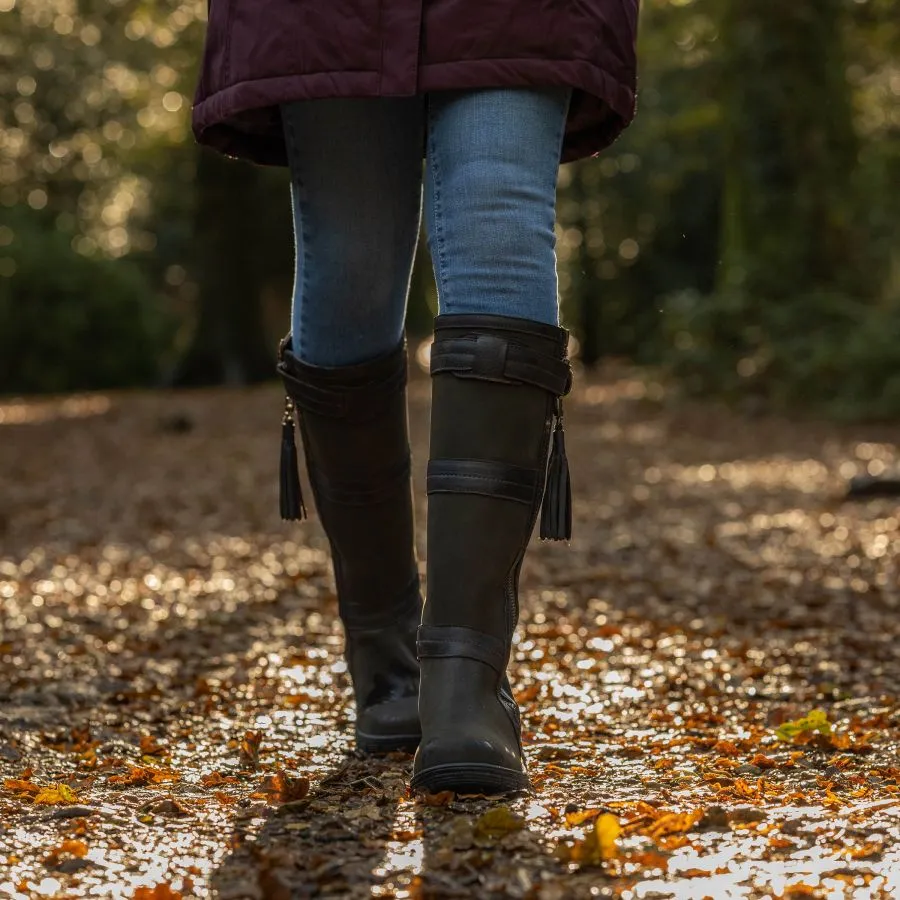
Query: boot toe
x,y
389,726
469,764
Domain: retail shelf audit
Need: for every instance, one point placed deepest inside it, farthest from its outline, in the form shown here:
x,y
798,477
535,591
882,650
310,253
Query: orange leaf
x,y
140,775
780,843
866,851
284,788
650,859
149,746
674,842
442,798
160,892
18,785
78,849
249,749
726,748
673,823
215,779
574,819
743,788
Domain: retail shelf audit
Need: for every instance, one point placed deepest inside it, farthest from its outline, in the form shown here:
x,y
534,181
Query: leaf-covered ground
x,y
174,710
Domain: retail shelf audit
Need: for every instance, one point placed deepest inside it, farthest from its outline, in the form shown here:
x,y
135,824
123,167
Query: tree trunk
x,y
586,289
789,223
229,345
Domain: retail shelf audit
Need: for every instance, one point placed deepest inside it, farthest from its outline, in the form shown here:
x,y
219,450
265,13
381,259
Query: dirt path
x,y
173,708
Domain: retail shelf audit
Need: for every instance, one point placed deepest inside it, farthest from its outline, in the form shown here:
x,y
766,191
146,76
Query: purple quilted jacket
x,y
260,53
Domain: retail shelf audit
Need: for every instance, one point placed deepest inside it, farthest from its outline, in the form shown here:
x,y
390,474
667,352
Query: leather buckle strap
x,y
453,642
484,477
488,357
349,493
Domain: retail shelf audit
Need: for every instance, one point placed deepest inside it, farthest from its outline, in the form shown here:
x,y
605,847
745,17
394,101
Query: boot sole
x,y
375,744
470,778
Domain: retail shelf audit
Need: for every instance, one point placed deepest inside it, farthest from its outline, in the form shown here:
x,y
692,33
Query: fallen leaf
x,y
141,775
674,823
159,892
58,793
726,748
20,786
599,846
442,798
150,747
780,843
814,722
249,749
76,849
216,779
866,851
284,788
497,822
763,762
574,819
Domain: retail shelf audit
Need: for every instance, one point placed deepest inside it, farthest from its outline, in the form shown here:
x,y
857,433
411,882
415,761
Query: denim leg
x,y
490,197
356,187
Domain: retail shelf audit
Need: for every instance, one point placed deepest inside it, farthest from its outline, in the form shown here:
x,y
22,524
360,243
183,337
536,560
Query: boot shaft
x,y
353,421
496,383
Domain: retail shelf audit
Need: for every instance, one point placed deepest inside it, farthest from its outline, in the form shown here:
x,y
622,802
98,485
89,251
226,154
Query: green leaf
x,y
817,720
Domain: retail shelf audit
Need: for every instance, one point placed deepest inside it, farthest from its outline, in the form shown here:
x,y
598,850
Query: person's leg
x,y
499,367
356,170
490,201
356,187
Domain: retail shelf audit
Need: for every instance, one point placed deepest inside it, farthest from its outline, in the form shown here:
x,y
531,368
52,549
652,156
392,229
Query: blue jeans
x,y
492,158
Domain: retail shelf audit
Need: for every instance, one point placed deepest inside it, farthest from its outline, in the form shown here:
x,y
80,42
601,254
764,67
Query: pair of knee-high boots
x,y
436,679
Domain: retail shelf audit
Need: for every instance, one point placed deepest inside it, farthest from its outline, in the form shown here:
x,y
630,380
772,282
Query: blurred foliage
x,y
69,321
741,235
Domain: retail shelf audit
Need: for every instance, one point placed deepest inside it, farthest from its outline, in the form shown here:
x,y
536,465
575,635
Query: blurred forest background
x,y
741,237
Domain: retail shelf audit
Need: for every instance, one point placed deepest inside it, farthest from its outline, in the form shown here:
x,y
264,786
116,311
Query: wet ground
x,y
709,673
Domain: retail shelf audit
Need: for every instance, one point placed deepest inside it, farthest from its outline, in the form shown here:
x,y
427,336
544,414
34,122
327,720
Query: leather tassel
x,y
292,507
556,513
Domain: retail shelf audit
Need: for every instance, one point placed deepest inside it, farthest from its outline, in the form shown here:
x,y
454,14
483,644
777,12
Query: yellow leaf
x,y
599,846
606,833
498,821
58,793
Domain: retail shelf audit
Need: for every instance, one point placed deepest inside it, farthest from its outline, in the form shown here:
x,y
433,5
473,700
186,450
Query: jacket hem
x,y
244,119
